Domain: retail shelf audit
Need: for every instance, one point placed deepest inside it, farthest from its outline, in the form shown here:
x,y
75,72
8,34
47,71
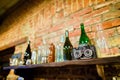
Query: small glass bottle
x,y
34,57
45,52
59,50
51,55
39,55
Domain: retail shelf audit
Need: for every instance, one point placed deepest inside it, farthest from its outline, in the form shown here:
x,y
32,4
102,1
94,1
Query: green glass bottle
x,y
84,39
67,48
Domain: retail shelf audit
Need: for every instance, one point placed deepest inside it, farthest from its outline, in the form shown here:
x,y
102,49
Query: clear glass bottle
x,y
34,57
101,42
67,48
39,55
59,50
45,52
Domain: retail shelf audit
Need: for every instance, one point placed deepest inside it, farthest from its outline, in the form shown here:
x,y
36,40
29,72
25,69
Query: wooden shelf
x,y
97,61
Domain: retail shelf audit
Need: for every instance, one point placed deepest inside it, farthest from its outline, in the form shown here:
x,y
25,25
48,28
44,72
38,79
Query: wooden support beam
x,y
17,42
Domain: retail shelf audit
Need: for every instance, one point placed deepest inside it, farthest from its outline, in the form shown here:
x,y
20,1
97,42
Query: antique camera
x,y
84,51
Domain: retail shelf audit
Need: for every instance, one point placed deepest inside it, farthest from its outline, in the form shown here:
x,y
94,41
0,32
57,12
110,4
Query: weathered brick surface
x,y
111,15
48,19
118,30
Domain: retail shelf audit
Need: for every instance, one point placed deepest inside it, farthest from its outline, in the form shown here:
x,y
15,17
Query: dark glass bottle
x,y
67,48
28,53
84,39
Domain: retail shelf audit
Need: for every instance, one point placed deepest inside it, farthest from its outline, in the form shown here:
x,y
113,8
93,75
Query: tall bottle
x,y
28,53
101,42
84,39
67,48
86,49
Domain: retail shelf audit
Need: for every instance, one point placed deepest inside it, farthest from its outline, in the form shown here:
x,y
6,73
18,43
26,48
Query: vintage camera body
x,y
84,51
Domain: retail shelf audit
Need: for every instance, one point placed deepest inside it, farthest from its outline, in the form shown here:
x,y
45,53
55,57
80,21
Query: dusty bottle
x,y
67,48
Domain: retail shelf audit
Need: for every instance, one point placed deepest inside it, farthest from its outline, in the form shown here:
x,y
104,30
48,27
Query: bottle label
x,y
67,50
84,51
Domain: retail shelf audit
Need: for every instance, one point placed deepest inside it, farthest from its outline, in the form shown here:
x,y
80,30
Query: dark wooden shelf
x,y
97,61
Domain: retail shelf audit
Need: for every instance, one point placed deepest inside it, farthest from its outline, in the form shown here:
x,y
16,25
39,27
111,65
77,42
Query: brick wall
x,y
48,20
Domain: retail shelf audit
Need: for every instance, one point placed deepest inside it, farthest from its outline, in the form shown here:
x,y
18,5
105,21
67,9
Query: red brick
x,y
92,2
71,22
40,32
47,13
75,33
52,8
58,5
81,12
93,28
116,22
111,15
110,32
96,13
107,24
38,42
79,4
67,11
111,23
103,4
92,20
100,1
114,50
101,11
114,41
76,26
60,15
58,18
118,30
74,6
88,29
91,35
56,28
67,7
85,3
117,6
67,3
60,32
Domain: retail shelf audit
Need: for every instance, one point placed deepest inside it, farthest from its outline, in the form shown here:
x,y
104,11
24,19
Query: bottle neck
x,y
66,34
82,29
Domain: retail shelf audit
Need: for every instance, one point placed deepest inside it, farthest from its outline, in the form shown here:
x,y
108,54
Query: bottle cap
x,y
82,24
